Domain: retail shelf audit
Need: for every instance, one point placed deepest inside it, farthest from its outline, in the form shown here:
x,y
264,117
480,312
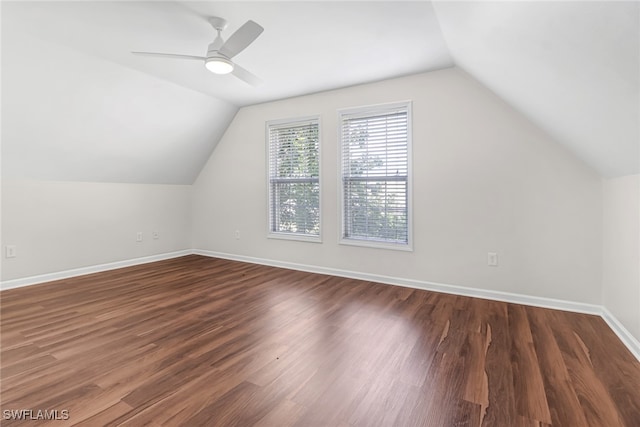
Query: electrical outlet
x,y
492,259
156,235
10,251
139,236
237,234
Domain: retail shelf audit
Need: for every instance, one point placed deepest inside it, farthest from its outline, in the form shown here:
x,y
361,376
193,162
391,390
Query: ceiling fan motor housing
x,y
214,48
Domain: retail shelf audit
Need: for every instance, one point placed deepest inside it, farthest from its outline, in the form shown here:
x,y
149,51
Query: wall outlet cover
x,y
10,251
492,259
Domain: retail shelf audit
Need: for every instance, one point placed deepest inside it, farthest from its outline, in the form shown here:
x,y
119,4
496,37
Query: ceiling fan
x,y
219,52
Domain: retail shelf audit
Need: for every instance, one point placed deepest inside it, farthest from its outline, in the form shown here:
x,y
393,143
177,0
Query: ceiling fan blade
x,y
246,76
242,38
169,55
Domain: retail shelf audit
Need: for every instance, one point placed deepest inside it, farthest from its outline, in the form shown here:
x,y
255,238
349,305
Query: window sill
x,y
294,236
377,245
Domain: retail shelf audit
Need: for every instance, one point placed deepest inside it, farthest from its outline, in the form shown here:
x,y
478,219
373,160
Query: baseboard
x,y
623,333
625,336
419,284
33,280
618,328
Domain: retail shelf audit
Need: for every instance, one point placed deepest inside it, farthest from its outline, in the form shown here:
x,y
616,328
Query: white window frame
x,y
365,111
284,123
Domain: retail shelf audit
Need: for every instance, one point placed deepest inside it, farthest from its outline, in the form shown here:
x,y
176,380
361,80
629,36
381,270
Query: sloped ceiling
x,y
572,67
76,105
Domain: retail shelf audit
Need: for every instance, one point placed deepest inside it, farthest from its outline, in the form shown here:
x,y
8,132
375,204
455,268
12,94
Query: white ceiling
x,y
572,67
77,105
157,120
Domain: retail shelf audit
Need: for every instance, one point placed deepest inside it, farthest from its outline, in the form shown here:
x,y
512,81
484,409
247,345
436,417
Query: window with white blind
x,y
376,181
294,178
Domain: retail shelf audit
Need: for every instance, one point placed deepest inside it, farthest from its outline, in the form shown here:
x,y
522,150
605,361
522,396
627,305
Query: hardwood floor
x,y
201,341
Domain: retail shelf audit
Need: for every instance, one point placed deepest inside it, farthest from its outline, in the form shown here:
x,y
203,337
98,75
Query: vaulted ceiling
x,y
77,105
571,67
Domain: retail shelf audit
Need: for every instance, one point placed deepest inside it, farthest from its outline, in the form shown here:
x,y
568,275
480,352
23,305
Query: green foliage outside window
x,y
295,185
374,184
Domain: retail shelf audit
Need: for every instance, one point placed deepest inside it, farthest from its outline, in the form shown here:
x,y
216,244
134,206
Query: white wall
x,y
485,179
621,250
58,226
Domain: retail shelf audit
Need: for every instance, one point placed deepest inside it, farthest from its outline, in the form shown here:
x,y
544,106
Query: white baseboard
x,y
625,336
618,328
419,284
33,280
623,333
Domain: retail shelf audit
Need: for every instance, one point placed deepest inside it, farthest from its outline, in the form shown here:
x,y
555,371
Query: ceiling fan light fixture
x,y
219,65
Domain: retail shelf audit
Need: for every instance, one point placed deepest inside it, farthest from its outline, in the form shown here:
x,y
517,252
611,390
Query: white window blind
x,y
294,178
375,174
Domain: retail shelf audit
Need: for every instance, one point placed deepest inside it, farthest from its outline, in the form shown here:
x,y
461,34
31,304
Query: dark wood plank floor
x,y
201,341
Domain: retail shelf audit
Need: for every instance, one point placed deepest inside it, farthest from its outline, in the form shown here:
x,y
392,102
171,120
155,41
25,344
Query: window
x,y
294,178
376,185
